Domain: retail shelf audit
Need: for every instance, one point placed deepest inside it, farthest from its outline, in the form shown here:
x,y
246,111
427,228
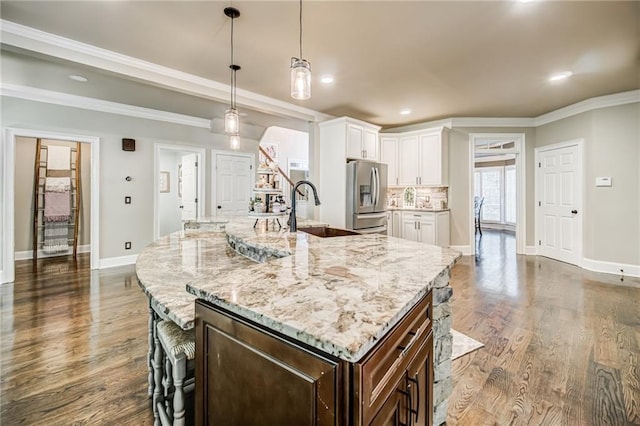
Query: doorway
x,y
498,181
178,187
559,201
8,162
233,181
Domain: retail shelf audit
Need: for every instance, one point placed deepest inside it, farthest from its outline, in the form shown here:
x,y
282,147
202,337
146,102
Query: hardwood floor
x,y
74,346
561,343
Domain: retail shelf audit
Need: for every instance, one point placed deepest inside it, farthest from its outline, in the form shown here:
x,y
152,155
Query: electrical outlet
x,y
127,245
127,200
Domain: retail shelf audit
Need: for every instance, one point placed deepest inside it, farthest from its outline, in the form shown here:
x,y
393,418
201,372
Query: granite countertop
x,y
340,295
416,209
165,266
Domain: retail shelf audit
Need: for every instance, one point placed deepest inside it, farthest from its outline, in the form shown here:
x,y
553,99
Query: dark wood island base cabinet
x,y
247,374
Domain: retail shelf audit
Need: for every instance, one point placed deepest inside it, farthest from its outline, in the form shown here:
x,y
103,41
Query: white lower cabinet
x,y
394,224
426,227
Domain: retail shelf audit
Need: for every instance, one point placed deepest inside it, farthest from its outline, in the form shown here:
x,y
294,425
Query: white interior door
x,y
559,182
189,188
233,184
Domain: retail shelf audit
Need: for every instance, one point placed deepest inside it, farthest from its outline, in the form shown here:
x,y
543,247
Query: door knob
x,y
574,211
219,207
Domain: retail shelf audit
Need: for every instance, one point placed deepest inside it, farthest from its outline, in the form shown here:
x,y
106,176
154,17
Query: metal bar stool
x,y
173,365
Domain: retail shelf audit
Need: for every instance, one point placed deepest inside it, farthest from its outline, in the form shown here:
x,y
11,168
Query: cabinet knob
x,y
574,211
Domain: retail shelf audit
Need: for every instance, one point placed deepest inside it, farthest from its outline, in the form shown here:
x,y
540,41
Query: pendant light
x,y
231,116
300,72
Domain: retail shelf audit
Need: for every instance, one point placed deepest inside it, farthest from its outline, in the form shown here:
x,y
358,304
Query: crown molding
x,y
591,104
60,47
606,101
447,122
65,99
493,122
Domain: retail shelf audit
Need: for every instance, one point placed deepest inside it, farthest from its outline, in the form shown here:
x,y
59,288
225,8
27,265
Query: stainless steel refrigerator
x,y
367,196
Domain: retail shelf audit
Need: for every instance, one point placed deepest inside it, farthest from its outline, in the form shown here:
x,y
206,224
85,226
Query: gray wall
x,y
611,148
120,222
24,179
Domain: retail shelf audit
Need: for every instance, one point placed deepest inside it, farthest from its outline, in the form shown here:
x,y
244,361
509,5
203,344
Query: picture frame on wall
x,y
180,180
163,182
271,149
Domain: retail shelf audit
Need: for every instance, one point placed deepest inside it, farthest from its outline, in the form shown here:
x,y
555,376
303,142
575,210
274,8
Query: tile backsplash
x,y
427,198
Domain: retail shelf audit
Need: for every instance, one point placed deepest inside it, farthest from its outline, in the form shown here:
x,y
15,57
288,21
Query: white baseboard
x,y
111,262
628,270
531,250
28,254
466,250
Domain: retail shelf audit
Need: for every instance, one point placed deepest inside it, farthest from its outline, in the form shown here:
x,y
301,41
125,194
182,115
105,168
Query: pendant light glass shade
x,y
300,72
300,79
234,141
231,121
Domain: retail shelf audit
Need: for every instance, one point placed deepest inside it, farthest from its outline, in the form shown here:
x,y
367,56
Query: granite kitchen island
x,y
337,301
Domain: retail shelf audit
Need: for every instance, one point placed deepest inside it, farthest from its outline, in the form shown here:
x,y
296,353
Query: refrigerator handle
x,y
377,186
374,187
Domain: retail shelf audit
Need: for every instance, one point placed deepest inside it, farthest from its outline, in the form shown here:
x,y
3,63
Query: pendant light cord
x,y
233,72
301,29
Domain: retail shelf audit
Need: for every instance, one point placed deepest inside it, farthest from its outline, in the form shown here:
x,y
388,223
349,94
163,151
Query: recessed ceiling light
x,y
560,76
405,111
326,79
79,78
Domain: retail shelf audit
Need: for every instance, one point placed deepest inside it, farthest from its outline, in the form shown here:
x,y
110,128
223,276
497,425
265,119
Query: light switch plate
x,y
603,181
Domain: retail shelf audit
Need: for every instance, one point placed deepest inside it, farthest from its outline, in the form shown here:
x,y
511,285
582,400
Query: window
x,y
498,187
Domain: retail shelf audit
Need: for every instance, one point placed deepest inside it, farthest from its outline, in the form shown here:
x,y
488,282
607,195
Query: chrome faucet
x,y
293,225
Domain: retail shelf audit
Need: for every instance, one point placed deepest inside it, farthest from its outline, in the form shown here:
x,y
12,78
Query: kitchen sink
x,y
327,231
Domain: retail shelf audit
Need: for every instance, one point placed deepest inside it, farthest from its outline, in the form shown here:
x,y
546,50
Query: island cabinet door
x,y
394,412
420,385
249,376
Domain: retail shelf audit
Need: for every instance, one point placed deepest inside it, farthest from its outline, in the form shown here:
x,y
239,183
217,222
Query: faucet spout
x,y
293,225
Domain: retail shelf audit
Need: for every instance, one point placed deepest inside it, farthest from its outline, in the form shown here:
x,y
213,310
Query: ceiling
x,y
439,59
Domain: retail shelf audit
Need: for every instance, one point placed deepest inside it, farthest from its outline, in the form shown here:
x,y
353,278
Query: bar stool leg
x,y
150,354
157,391
168,375
179,373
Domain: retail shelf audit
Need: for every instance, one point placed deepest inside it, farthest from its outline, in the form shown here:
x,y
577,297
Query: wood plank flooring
x,y
74,345
562,344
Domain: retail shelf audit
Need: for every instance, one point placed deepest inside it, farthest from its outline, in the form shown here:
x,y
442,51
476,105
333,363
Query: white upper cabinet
x,y
389,156
355,139
361,139
421,157
409,160
434,158
370,145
